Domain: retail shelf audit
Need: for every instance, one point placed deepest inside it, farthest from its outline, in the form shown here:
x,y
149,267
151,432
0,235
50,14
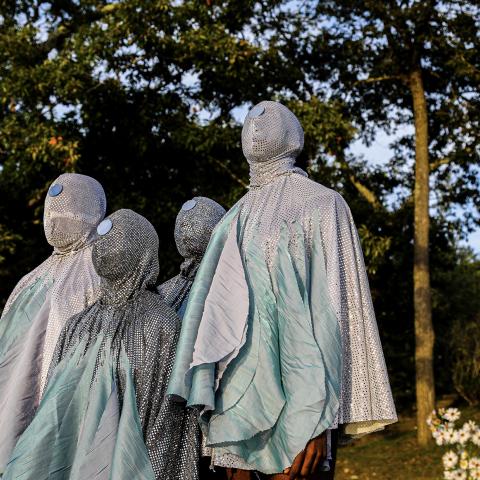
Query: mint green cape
x,y
80,431
260,346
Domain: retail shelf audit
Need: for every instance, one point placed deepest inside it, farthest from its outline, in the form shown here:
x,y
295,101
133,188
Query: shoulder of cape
x,y
159,316
322,197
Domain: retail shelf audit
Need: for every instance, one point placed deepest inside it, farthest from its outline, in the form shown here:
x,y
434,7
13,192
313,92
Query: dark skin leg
x,y
231,474
236,474
315,476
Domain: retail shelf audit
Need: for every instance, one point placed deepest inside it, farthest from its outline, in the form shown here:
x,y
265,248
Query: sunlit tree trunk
x,y
424,334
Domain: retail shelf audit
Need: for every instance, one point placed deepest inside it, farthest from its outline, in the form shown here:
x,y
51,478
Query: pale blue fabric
x,y
16,321
283,387
181,383
22,331
79,431
183,307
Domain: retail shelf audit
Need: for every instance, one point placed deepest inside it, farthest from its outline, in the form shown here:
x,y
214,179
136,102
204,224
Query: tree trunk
x,y
424,335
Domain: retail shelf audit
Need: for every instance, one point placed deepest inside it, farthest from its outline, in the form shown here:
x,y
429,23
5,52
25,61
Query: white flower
x,y
470,426
451,414
450,459
476,437
439,437
449,436
457,462
459,475
462,436
475,473
454,436
474,463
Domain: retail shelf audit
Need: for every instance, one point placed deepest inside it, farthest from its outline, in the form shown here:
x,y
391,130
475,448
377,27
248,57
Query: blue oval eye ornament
x,y
55,190
188,205
256,111
104,227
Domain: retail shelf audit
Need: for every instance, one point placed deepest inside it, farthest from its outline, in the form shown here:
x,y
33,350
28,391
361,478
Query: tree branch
x,y
438,163
232,175
383,78
365,192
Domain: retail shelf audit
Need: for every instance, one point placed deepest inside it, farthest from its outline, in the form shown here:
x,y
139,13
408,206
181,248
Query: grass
x,y
394,454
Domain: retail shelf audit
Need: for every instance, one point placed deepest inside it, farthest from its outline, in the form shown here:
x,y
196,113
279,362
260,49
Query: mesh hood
x,y
271,132
193,227
126,257
71,216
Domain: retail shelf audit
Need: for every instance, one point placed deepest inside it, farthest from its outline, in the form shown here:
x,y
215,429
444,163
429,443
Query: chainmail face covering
x,y
193,227
135,320
74,206
271,142
285,206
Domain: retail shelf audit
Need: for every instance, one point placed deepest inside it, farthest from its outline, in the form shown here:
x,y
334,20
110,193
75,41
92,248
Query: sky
x,y
379,152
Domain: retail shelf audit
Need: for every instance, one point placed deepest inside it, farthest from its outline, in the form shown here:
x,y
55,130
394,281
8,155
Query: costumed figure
x,y
193,228
279,341
109,375
42,302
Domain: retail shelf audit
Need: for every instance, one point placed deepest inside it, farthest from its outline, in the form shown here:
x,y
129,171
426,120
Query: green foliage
x,y
7,244
465,344
375,247
138,94
327,127
459,320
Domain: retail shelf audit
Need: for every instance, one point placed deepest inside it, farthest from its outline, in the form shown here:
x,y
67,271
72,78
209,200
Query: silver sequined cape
x,y
279,340
44,299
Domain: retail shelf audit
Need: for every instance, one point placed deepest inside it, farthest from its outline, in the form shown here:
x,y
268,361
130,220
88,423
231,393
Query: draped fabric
x,y
193,228
279,340
44,299
128,332
80,431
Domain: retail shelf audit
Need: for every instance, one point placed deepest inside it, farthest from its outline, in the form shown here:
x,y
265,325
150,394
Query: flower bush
x,y
462,459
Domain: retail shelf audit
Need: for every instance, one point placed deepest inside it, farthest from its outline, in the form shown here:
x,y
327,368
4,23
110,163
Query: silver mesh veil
x,y
280,194
193,227
272,138
137,321
70,220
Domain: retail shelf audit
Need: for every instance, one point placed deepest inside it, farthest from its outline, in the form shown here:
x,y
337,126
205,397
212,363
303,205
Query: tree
x,y
408,61
136,93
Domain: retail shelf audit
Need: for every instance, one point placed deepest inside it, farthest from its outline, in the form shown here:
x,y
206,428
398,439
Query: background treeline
x,y
145,96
